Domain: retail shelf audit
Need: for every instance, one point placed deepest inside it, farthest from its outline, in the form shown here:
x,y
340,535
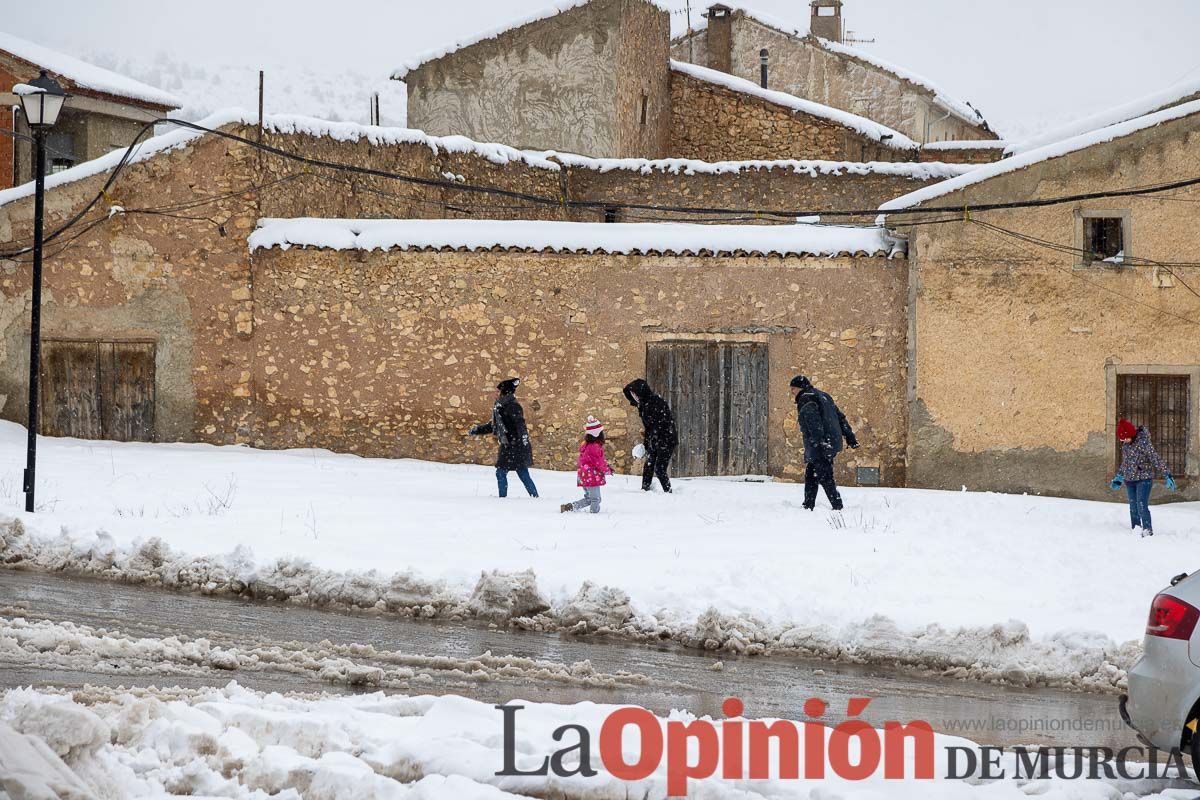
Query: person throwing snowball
x,y
659,437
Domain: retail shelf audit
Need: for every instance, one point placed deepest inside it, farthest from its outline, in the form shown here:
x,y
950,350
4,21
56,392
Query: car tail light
x,y
1172,618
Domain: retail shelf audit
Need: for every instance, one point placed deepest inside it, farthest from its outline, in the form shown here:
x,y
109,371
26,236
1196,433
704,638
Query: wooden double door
x,y
95,389
718,393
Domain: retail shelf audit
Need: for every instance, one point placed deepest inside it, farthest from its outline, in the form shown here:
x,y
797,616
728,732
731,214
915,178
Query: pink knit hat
x,y
594,427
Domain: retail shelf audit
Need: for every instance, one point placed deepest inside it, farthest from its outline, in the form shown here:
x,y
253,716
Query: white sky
x,y
1026,64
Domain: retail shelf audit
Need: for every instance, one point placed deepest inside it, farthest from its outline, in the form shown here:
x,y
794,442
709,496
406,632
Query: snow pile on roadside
x,y
235,743
1027,590
69,646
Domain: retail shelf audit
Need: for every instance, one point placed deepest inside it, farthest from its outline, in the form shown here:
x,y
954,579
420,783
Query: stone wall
x,y
257,355
801,67
1017,347
397,353
713,123
175,281
551,84
963,155
643,76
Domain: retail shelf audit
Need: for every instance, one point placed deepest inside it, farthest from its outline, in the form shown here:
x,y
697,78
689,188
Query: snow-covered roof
x,y
964,111
987,171
918,171
770,21
1172,95
966,144
408,65
85,75
622,238
286,124
866,127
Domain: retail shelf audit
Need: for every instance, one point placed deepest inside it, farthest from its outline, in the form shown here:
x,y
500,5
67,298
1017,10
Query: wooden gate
x,y
98,390
718,392
1160,403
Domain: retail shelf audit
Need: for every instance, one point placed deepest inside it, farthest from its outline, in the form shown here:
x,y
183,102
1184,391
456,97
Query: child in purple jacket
x,y
592,468
1139,464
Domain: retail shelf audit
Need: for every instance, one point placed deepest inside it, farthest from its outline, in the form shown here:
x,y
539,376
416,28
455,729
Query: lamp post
x,y
41,100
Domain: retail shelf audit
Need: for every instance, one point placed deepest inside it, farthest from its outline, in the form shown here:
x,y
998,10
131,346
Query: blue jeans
x,y
522,473
1139,503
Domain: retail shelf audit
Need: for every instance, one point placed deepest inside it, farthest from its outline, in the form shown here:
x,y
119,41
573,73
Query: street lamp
x,y
41,101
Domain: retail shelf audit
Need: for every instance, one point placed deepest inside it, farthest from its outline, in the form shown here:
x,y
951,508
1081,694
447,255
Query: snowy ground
x,y
1020,589
234,743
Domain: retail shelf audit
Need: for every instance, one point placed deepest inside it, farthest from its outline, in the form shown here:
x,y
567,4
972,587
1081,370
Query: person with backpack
x,y
824,429
508,426
659,438
1139,464
592,468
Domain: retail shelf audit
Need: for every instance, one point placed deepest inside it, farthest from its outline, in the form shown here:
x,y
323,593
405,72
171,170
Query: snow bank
x,y
83,74
1045,153
1155,101
622,238
52,646
993,587
964,111
861,125
441,52
240,744
931,170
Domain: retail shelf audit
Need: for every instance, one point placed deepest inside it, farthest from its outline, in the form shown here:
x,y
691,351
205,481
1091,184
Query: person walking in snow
x,y
824,429
659,436
508,426
592,468
1139,463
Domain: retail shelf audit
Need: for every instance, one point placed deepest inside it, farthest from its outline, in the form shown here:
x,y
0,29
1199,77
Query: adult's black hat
x,y
509,386
800,382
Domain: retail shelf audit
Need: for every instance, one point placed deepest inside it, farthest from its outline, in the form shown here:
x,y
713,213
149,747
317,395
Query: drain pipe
x,y
763,57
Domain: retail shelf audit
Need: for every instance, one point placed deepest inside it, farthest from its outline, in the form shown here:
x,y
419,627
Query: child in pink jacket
x,y
592,468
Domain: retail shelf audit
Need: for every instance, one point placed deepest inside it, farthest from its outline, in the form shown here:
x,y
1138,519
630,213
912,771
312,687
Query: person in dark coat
x,y
825,429
508,426
659,438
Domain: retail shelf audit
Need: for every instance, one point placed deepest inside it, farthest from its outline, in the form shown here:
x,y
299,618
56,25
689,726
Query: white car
x,y
1163,704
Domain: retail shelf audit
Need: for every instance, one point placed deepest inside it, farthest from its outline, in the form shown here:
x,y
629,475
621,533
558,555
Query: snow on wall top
x,y
964,111
85,75
285,124
986,171
966,144
868,128
621,238
441,52
1137,108
930,170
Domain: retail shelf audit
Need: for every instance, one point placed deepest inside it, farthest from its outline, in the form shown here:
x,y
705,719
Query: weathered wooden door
x,y
718,392
98,390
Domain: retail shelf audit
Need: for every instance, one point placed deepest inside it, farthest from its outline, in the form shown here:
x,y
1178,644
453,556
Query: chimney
x,y
720,37
764,60
826,20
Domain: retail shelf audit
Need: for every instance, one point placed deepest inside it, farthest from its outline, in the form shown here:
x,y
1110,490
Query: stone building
x,y
166,327
1032,330
589,79
815,64
104,111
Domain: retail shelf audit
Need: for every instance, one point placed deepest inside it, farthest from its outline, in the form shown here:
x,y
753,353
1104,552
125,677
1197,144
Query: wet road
x,y
673,677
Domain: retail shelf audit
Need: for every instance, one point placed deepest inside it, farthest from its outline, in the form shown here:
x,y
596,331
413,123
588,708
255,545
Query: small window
x,y
610,215
645,104
1104,239
60,165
